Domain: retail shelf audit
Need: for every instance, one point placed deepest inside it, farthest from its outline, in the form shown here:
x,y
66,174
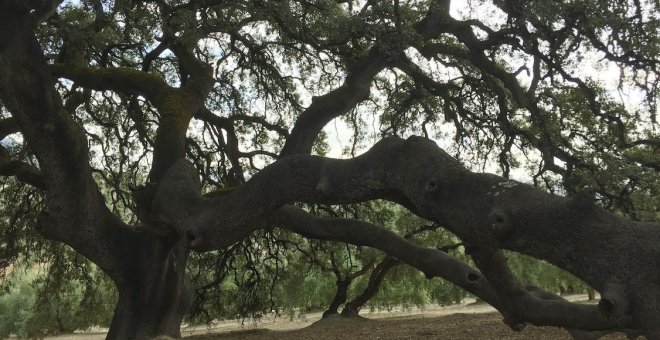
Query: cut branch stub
x,y
178,194
431,186
500,224
614,303
474,277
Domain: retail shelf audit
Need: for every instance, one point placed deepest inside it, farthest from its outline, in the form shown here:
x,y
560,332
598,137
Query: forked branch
x,y
482,209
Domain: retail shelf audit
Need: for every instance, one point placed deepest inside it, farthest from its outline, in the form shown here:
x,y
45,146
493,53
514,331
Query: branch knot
x,y
500,222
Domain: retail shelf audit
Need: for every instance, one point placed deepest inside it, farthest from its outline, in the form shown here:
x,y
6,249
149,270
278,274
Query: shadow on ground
x,y
449,327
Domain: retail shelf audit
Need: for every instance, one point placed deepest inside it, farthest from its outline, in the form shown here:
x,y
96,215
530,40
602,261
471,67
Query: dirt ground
x,y
463,321
449,327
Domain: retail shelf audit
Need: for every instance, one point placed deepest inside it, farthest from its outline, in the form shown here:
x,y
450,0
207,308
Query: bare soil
x,y
463,321
455,326
470,321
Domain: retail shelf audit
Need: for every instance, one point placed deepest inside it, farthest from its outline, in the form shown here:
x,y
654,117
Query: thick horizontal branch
x,y
118,79
176,106
424,178
529,304
525,306
482,209
433,262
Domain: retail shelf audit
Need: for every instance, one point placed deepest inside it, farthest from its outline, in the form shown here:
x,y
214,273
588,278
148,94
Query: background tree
x,y
403,290
176,126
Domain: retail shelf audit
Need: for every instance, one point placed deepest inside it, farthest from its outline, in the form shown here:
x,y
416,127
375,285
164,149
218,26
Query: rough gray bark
x,y
436,263
618,257
154,295
147,268
570,233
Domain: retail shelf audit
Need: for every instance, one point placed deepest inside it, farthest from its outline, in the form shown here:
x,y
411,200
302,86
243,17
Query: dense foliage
x,y
99,110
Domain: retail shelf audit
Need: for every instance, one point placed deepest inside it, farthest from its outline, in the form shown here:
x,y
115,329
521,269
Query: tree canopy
x,y
144,134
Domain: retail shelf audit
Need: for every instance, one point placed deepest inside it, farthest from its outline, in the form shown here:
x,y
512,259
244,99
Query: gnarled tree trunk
x,y
147,266
153,293
618,257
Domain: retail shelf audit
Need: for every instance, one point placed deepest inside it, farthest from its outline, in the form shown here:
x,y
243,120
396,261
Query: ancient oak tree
x,y
153,129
